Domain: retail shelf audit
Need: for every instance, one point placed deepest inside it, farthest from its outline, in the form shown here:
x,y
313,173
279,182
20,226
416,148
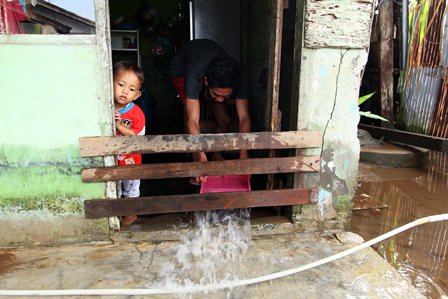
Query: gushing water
x,y
212,251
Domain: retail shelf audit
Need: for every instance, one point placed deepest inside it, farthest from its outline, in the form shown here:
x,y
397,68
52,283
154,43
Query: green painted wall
x,y
51,98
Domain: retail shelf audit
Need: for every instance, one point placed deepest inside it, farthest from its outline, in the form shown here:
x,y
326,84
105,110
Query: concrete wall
x,y
54,90
333,55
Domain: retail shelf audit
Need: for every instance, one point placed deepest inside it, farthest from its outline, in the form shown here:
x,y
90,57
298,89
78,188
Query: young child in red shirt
x,y
129,120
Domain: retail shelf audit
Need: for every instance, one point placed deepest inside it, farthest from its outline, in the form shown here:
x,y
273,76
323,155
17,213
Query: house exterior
x,y
57,88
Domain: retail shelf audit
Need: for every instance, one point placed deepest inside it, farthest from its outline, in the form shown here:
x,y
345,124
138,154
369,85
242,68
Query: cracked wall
x,y
328,102
333,56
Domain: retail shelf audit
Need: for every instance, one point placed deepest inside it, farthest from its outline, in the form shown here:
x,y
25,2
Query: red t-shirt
x,y
132,117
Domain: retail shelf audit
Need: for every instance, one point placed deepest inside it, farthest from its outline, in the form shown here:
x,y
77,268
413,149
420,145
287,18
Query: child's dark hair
x,y
223,72
121,66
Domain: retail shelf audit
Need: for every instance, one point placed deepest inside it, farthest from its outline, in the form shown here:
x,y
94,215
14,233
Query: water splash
x,y
212,252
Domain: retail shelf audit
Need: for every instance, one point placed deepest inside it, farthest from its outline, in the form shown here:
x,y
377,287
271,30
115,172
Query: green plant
x,y
368,113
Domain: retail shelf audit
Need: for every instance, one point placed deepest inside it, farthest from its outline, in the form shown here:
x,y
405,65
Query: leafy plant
x,y
368,113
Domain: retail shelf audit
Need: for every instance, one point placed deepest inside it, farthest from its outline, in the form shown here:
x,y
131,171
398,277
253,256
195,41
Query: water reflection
x,y
407,194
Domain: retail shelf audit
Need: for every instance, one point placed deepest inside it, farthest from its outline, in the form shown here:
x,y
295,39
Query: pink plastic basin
x,y
226,183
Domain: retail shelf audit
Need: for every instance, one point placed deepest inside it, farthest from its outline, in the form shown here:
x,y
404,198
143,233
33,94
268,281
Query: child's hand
x,y
121,127
117,118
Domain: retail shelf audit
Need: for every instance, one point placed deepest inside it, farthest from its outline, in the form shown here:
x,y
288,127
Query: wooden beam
x,y
274,63
184,143
298,180
420,140
275,55
192,169
387,61
196,202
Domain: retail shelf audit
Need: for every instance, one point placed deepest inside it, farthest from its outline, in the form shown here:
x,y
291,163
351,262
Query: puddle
x,y
406,194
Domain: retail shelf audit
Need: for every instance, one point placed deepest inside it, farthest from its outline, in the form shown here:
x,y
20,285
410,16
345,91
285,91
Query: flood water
x,y
397,196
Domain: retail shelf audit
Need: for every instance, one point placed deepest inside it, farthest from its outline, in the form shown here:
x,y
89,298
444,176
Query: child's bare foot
x,y
128,220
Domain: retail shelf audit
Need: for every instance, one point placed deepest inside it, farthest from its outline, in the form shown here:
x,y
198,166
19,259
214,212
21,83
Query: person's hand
x,y
200,157
117,118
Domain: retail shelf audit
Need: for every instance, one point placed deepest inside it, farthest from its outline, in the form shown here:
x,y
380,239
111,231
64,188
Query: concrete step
x,y
394,155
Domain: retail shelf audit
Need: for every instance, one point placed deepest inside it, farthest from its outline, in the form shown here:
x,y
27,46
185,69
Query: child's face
x,y
126,88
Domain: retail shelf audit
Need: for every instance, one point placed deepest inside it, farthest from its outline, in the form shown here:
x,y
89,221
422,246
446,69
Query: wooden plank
x,y
272,153
192,169
196,202
184,143
420,140
366,202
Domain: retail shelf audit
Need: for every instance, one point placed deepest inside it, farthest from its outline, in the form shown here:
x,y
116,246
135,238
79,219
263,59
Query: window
x,y
47,17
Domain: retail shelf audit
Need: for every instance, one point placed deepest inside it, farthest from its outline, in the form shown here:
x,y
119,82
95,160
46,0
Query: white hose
x,y
226,285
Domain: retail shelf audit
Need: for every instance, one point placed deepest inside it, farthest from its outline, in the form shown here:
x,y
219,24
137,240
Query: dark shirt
x,y
192,61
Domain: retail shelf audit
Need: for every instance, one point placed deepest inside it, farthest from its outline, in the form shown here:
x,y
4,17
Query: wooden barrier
x,y
183,143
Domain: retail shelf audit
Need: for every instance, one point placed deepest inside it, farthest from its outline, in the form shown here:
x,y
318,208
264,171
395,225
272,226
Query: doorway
x,y
158,30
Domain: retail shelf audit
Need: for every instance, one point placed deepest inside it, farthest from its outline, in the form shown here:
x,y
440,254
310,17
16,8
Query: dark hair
x,y
121,66
223,72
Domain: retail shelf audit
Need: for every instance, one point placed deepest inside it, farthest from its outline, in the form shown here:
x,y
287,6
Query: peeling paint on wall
x,y
328,93
338,23
13,155
45,179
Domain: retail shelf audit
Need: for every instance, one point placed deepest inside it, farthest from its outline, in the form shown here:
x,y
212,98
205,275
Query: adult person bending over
x,y
203,71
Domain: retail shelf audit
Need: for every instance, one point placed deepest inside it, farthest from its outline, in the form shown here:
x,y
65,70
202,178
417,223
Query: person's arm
x,y
242,109
193,114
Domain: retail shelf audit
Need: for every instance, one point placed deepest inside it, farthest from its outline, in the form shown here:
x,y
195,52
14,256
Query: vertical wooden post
x,y
104,58
386,61
275,54
299,179
275,50
297,59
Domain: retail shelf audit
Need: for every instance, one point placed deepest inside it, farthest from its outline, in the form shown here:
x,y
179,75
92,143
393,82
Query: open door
x,y
155,49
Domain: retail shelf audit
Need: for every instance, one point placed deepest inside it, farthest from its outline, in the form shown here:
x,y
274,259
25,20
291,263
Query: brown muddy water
x,y
388,198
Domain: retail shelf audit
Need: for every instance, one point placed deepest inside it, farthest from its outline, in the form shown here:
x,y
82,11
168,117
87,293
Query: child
x,y
130,121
